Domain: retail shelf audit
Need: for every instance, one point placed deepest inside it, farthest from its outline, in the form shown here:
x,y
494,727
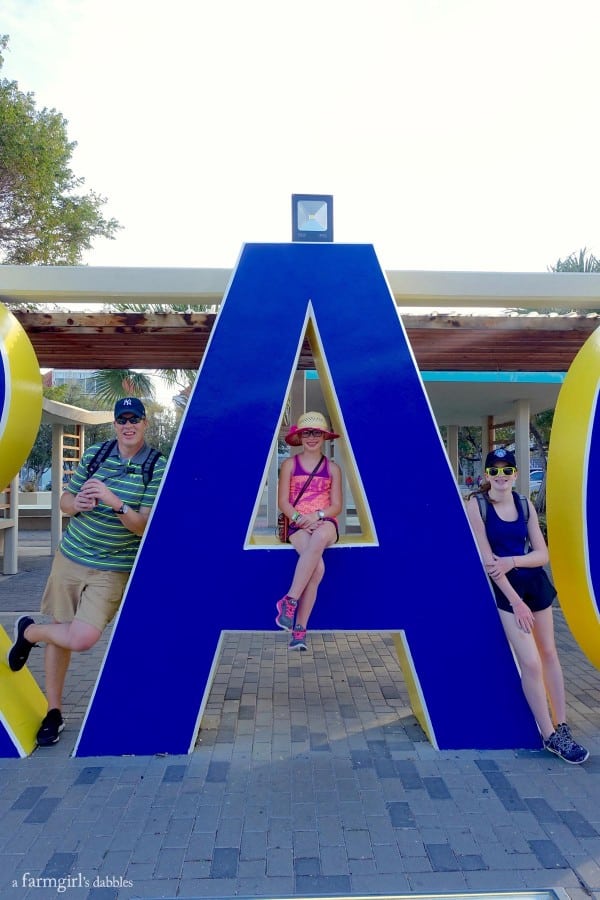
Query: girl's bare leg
x,y
530,664
307,599
310,548
543,633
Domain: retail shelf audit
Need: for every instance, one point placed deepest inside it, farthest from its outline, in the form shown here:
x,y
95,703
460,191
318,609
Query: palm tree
x,y
115,383
584,261
112,384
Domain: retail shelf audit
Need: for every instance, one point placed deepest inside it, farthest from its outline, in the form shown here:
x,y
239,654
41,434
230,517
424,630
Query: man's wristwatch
x,y
320,514
122,509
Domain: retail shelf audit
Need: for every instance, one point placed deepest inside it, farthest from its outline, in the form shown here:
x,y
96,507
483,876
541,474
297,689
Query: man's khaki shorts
x,y
77,592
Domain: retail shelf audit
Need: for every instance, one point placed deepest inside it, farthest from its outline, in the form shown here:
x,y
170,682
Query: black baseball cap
x,y
500,457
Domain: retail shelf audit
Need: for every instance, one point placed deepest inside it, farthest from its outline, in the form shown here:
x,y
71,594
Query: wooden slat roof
x,y
178,340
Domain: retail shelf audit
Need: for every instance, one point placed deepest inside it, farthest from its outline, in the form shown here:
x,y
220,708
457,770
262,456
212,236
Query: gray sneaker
x,y
298,641
561,742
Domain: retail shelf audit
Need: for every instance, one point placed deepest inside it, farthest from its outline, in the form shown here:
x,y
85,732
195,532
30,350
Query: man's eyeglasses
x,y
311,432
505,470
128,420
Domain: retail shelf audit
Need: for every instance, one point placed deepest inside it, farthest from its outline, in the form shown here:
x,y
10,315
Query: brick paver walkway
x,y
311,776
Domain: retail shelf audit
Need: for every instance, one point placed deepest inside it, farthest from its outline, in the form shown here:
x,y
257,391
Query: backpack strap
x,y
149,464
524,506
106,448
103,451
483,505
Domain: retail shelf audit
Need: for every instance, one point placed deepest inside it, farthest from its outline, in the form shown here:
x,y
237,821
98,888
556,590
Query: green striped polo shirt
x,y
97,538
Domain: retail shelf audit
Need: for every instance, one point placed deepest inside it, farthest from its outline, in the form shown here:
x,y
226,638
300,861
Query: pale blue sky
x,y
457,134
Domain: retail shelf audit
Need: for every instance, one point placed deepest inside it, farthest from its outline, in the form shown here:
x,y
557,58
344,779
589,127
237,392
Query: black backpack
x,y
107,447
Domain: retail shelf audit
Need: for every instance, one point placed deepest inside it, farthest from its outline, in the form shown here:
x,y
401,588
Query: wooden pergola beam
x,y
178,340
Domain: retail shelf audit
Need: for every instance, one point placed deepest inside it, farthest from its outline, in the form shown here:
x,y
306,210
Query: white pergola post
x,y
485,442
297,397
57,472
297,402
452,439
11,533
522,451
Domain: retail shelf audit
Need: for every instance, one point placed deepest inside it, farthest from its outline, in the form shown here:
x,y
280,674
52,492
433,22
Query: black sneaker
x,y
18,654
50,728
561,742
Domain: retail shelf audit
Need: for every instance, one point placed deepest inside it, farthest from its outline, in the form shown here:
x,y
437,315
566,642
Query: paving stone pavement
x,y
310,777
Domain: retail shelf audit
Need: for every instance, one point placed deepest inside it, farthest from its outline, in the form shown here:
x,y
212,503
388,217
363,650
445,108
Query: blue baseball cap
x,y
130,405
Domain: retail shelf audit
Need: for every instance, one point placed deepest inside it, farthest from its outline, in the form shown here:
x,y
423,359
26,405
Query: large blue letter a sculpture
x,y
197,573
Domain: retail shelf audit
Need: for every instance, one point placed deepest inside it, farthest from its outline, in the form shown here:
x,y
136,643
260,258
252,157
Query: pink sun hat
x,y
314,420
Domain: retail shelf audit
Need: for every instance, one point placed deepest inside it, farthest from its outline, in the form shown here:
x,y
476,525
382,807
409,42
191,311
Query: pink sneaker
x,y
286,611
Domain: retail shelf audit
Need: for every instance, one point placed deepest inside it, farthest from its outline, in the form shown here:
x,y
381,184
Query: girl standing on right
x,y
514,554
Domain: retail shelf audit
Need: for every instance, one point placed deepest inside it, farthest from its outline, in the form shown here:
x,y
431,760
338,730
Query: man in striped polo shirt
x,y
108,508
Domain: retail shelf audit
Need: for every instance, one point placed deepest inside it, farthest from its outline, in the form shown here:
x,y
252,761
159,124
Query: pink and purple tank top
x,y
318,493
